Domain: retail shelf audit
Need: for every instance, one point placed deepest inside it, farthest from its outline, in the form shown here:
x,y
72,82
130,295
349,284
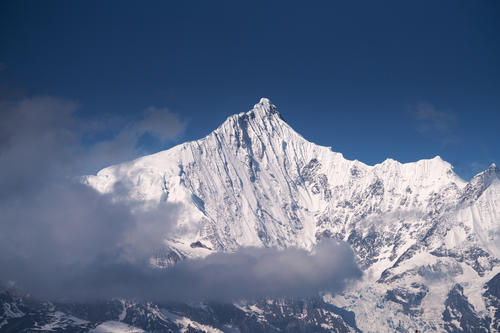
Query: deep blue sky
x,y
372,79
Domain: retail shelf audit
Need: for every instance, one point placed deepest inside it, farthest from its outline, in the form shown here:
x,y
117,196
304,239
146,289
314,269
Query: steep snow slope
x,y
255,181
417,228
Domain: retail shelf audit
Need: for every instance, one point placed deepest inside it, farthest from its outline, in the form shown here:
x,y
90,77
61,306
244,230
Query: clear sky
x,y
372,79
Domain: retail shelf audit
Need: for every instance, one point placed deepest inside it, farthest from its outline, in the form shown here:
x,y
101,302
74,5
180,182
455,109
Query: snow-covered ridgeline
x,y
255,181
256,169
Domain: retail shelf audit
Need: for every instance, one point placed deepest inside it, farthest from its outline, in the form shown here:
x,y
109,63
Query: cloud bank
x,y
60,239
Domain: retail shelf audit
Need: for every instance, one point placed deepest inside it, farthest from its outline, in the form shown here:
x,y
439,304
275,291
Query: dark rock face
x,y
20,314
492,297
317,182
366,248
459,314
200,245
475,257
306,315
410,299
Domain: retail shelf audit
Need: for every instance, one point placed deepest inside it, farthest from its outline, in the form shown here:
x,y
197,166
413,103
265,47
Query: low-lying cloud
x,y
249,273
60,239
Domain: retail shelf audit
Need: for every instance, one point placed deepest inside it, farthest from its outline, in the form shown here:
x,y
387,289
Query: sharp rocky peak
x,y
264,109
261,112
479,183
264,118
488,174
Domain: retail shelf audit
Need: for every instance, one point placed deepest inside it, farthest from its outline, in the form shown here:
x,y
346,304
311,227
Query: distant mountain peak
x,y
480,182
491,171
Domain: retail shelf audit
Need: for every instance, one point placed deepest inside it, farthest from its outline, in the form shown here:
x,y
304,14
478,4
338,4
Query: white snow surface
x,y
254,181
116,327
185,324
59,320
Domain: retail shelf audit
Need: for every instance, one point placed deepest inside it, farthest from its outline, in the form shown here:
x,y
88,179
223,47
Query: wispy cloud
x,y
119,138
440,124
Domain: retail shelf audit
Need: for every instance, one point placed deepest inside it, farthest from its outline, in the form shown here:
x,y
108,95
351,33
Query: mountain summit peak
x,y
265,104
264,108
265,100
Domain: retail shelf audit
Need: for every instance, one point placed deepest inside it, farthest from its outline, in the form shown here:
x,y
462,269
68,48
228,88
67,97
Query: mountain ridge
x,y
254,181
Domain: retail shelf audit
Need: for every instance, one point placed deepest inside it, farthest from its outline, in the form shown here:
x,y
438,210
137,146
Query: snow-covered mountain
x,y
419,231
427,241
